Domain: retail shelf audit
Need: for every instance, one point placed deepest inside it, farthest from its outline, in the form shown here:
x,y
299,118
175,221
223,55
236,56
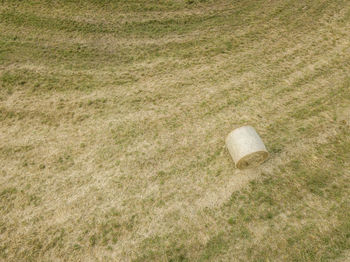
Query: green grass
x,y
113,117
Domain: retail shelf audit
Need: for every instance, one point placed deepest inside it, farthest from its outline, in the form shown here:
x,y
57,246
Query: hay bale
x,y
246,147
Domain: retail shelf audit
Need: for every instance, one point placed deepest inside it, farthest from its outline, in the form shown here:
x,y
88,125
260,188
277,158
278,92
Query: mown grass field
x,y
113,117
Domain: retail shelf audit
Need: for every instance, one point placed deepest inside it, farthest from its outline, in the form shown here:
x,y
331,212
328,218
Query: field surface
x,y
113,117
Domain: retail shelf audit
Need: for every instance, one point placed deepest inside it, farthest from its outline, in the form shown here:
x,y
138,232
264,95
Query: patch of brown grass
x,y
113,119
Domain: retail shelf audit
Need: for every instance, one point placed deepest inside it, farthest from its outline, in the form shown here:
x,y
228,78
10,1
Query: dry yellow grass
x,y
113,119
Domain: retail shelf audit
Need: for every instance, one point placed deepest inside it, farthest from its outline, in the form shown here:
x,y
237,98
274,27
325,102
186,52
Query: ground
x,y
114,114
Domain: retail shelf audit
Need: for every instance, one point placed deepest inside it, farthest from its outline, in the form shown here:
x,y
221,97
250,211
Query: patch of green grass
x,y
155,248
214,246
7,194
35,83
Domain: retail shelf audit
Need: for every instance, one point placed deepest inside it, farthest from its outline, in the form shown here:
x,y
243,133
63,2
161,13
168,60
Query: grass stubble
x,y
113,119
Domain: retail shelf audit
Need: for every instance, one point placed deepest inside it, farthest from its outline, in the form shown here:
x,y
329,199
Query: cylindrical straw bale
x,y
246,147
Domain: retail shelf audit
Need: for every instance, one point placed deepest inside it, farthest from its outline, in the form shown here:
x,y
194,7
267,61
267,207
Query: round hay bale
x,y
246,147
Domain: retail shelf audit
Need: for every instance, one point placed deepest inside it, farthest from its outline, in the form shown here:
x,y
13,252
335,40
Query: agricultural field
x,y
113,119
